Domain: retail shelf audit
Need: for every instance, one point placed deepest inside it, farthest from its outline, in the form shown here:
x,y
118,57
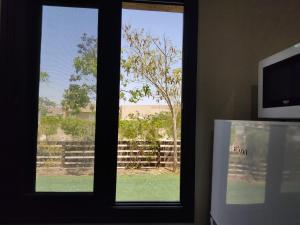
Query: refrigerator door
x,y
256,173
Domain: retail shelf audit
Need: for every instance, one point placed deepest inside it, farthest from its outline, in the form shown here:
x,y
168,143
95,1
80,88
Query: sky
x,y
62,28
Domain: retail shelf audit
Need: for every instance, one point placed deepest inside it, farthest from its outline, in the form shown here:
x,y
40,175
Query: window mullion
x,y
108,74
189,109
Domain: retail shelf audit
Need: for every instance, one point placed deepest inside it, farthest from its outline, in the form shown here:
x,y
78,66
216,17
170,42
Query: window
x,y
66,118
148,166
102,122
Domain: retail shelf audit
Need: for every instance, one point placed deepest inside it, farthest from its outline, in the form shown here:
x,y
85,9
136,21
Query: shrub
x,y
82,130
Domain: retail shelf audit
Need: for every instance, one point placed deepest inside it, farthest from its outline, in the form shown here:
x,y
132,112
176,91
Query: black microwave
x,y
279,85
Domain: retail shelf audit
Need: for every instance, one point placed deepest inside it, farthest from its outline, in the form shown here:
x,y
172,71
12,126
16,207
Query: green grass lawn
x,y
64,183
163,187
138,187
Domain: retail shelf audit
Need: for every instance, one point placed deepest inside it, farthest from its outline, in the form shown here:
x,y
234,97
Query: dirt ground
x,y
153,171
61,172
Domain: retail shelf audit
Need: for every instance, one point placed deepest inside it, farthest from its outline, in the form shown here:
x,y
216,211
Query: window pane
x,y
67,96
150,104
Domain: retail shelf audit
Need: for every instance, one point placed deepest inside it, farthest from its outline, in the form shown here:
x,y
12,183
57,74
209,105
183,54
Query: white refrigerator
x,y
256,173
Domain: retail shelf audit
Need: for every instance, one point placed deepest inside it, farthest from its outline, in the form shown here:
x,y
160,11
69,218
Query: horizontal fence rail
x,y
78,156
72,155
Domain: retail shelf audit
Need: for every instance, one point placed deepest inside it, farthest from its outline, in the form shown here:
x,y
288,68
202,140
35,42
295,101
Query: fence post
x,y
63,155
158,155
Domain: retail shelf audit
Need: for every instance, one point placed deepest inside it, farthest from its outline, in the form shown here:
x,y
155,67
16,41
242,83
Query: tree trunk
x,y
175,161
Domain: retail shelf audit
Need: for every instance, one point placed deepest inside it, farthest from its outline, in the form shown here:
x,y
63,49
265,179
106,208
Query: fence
x,y
80,155
77,157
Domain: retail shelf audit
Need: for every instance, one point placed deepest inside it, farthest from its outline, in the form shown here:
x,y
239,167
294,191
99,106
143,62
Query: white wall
x,y
233,36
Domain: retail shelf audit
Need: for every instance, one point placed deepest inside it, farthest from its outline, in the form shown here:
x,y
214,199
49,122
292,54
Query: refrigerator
x,y
256,173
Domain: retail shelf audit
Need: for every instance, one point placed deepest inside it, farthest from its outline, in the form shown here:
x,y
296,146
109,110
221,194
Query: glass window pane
x,y
67,96
150,104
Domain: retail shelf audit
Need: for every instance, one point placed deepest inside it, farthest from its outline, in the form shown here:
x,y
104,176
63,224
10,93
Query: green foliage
x,y
82,130
45,105
44,76
79,129
137,94
166,123
86,62
139,127
75,98
148,128
82,88
48,125
151,129
150,61
129,129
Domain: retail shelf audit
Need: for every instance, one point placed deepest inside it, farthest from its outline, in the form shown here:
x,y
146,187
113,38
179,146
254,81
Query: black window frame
x,y
20,42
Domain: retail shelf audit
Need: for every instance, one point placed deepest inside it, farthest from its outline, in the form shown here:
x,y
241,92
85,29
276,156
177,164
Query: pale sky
x,y
63,27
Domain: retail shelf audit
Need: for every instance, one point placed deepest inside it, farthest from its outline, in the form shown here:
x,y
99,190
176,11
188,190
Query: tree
x,y
49,125
75,98
44,77
45,105
82,130
82,88
153,63
164,119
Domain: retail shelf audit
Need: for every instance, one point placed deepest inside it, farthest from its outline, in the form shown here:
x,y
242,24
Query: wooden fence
x,y
75,157
80,155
